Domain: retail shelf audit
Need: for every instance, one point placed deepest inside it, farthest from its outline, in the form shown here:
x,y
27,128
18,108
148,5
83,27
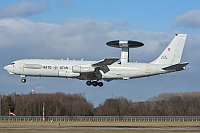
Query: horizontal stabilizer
x,y
176,67
105,62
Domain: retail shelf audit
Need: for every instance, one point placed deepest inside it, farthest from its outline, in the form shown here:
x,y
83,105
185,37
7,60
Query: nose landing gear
x,y
23,80
94,83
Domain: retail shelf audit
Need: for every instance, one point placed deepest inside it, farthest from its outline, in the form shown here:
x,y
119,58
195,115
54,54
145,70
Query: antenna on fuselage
x,y
124,45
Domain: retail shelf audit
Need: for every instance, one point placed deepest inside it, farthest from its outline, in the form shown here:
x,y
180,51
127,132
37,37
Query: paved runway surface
x,y
99,128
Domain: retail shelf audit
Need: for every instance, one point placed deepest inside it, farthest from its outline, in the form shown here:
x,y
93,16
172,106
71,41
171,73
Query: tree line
x,y
61,104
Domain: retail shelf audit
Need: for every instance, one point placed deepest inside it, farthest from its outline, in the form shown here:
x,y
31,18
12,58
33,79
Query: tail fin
x,y
172,54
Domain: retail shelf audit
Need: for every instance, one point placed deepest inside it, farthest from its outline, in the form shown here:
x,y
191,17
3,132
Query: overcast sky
x,y
76,29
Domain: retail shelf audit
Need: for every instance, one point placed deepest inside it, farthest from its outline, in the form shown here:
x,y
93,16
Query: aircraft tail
x,y
172,54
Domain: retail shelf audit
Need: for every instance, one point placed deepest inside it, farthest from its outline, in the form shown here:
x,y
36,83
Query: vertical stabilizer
x,y
172,54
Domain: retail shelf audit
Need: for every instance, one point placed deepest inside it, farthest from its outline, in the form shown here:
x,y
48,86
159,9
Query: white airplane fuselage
x,y
63,68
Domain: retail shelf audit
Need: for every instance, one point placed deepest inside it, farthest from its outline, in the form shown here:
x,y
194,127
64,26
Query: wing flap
x,y
105,62
176,67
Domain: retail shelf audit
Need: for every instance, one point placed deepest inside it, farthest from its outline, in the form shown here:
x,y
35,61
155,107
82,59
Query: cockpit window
x,y
12,63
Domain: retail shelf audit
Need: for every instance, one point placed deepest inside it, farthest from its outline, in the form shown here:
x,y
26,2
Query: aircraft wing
x,y
100,67
176,67
105,62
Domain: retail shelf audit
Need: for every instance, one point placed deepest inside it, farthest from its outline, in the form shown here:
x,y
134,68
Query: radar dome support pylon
x,y
124,45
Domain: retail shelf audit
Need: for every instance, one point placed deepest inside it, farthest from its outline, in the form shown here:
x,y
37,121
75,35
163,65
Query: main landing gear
x,y
23,80
94,83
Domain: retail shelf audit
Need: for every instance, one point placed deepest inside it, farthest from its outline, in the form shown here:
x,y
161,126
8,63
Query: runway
x,y
99,128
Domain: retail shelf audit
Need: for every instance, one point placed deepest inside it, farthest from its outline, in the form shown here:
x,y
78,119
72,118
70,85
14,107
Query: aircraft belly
x,y
134,71
120,74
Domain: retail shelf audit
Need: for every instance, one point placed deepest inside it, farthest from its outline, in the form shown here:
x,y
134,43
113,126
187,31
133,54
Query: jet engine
x,y
82,69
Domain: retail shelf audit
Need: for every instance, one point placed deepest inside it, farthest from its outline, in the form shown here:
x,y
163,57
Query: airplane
x,y
108,69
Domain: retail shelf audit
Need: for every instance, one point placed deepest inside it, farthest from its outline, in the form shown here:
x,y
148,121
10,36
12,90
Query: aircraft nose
x,y
6,68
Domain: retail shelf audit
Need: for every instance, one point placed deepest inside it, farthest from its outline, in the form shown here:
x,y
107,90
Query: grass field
x,y
171,124
85,124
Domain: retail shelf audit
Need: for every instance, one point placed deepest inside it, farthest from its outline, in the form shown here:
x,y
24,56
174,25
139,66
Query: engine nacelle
x,y
71,74
82,69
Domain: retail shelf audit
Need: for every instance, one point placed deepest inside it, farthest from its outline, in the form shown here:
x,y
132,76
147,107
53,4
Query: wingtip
x,y
183,35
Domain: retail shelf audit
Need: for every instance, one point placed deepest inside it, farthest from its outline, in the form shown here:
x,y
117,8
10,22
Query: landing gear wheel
x,y
94,83
100,84
88,83
23,80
